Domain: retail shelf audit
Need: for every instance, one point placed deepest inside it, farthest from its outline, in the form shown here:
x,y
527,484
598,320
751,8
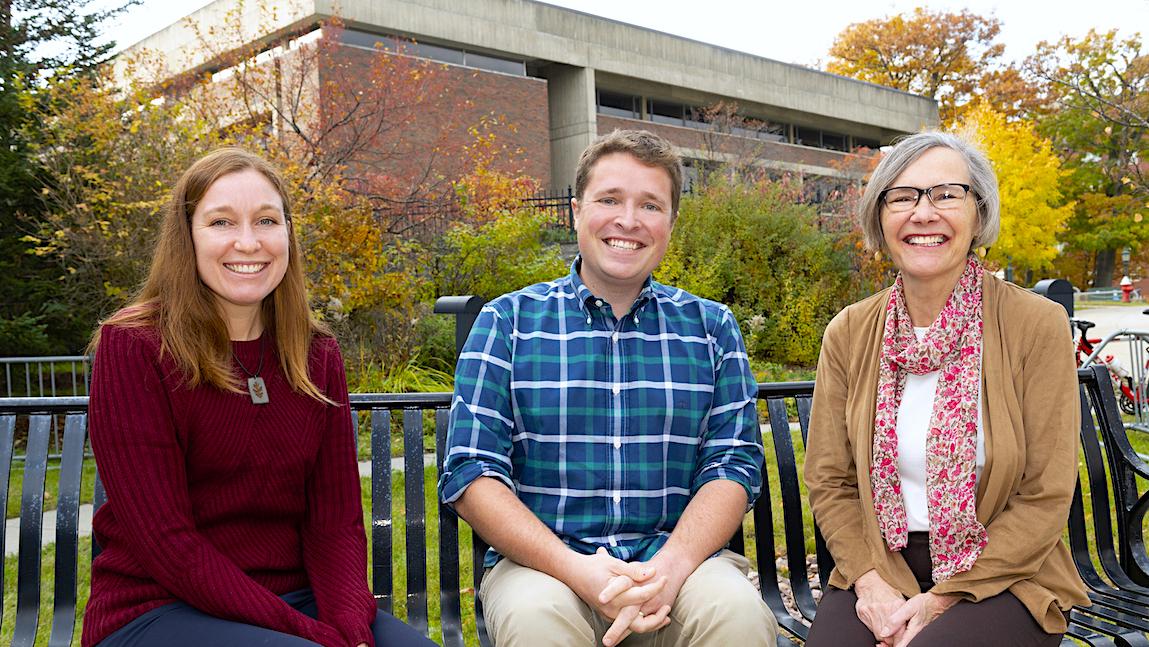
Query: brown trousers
x,y
1000,620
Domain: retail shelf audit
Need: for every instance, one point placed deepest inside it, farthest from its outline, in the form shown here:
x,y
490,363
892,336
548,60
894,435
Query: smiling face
x,y
623,221
241,244
927,244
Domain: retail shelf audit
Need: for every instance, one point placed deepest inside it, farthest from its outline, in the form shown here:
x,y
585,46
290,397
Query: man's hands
x,y
619,590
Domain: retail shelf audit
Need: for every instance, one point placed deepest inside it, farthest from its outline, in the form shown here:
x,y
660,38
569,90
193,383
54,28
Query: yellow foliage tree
x,y
1029,174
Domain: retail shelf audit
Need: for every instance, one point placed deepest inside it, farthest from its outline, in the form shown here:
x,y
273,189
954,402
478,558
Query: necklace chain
x,y
258,369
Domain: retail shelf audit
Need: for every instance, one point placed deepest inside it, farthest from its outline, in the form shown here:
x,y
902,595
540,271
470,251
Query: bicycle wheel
x,y
1128,407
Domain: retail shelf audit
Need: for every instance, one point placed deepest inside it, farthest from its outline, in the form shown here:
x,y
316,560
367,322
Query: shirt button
x,y
614,337
617,443
617,498
598,302
616,389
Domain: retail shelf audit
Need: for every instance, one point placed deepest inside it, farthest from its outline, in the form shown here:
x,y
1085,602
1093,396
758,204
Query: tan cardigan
x,y
1031,416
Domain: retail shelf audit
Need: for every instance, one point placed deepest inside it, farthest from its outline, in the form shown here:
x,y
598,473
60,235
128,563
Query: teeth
x,y
622,244
926,240
245,268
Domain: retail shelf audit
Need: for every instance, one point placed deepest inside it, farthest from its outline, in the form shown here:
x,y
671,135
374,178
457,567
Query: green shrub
x,y
750,246
495,257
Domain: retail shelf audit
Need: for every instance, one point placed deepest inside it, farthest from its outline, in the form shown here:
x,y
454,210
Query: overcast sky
x,y
792,31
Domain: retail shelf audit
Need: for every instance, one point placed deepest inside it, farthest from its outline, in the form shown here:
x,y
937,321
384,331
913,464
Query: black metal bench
x,y
1118,576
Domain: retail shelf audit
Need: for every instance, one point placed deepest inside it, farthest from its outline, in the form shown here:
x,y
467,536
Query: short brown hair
x,y
646,147
183,309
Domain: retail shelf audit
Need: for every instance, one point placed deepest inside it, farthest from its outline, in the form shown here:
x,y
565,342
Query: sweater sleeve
x,y
831,474
1030,526
334,541
142,465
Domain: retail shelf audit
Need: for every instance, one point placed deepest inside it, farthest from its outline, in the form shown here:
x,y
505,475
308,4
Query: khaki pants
x,y
717,606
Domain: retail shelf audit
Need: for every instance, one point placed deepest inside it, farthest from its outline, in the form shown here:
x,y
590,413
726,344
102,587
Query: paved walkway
x,y
12,526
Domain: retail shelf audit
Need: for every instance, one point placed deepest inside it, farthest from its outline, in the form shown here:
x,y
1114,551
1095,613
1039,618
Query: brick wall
x,y
434,119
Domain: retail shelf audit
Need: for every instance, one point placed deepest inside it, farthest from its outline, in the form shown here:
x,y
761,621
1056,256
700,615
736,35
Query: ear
x,y
575,210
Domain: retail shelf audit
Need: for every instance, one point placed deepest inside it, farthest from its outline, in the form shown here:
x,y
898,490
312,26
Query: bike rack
x,y
1136,341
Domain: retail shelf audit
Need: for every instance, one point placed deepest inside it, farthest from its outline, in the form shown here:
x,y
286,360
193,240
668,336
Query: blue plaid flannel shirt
x,y
603,427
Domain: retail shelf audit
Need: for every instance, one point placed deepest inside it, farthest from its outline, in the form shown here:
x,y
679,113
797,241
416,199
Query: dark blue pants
x,y
179,625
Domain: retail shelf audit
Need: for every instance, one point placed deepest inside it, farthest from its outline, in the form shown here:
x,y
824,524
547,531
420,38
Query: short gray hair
x,y
906,151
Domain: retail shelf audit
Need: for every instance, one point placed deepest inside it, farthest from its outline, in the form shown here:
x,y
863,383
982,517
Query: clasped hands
x,y
894,620
622,590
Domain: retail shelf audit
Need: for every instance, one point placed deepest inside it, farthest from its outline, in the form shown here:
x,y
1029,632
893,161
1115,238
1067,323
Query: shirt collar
x,y
588,301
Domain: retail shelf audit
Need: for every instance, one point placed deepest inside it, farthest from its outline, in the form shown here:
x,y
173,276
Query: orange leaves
x,y
936,54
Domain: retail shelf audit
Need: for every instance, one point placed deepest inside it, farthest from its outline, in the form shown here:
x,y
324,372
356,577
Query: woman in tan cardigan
x,y
942,453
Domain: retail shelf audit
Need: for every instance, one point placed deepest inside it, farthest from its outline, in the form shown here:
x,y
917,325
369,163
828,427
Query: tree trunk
x,y
1103,268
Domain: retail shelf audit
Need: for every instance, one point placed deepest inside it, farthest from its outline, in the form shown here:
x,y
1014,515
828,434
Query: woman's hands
x,y
876,606
894,620
915,614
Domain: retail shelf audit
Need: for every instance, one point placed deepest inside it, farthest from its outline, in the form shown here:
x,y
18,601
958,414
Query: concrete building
x,y
564,77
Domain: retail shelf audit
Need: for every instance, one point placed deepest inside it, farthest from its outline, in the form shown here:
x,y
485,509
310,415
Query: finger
x,y
647,623
898,619
616,585
620,628
906,636
636,571
639,594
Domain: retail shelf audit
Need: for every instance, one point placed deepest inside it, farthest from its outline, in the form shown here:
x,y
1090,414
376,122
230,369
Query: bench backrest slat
x,y
7,436
99,498
67,531
31,524
822,553
1093,455
381,508
1125,466
792,520
414,509
450,604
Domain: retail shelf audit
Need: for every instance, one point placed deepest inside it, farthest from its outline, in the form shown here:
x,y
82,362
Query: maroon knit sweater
x,y
221,503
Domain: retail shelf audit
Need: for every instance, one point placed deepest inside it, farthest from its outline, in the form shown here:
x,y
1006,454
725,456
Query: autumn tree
x,y
1099,87
733,143
1033,210
42,42
936,54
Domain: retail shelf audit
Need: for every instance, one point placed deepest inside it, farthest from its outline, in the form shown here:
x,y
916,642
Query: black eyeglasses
x,y
942,196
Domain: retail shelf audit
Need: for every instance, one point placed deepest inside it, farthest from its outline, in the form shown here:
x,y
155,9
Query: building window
x,y
863,142
617,104
833,141
666,112
808,137
441,53
494,63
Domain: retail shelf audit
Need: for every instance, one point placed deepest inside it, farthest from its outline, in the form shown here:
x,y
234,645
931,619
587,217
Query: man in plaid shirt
x,y
604,438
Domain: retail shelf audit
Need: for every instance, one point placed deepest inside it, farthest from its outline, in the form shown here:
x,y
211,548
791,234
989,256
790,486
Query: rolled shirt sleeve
x,y
479,434
731,440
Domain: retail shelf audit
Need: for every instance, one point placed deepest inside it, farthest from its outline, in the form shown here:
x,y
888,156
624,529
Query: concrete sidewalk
x,y
12,526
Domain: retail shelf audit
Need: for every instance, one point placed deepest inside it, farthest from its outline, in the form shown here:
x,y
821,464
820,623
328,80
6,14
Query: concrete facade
x,y
579,55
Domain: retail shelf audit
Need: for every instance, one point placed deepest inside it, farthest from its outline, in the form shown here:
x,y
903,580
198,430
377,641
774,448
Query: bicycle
x,y
1131,391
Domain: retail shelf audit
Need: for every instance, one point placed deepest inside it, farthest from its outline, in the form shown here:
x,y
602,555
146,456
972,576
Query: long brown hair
x,y
183,309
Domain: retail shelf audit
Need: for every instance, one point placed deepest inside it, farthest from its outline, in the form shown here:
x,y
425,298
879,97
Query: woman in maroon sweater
x,y
220,424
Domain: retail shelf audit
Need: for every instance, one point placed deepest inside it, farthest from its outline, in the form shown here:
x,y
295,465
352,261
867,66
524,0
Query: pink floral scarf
x,y
952,345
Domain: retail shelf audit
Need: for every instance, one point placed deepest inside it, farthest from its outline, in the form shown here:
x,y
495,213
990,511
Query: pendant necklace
x,y
255,386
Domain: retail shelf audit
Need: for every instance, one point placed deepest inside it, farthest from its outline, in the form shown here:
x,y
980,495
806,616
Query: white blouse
x,y
913,428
